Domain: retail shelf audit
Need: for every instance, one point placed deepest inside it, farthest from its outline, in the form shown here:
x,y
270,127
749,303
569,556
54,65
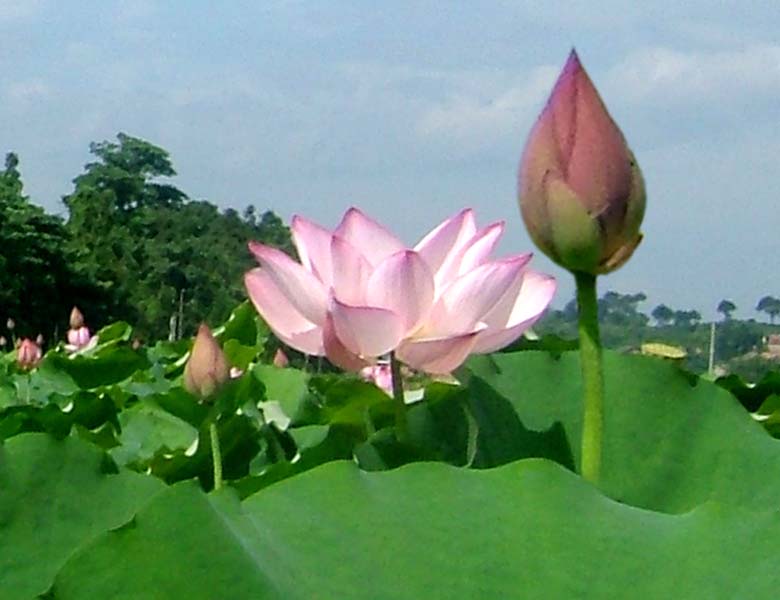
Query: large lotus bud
x,y
28,354
207,368
582,195
76,318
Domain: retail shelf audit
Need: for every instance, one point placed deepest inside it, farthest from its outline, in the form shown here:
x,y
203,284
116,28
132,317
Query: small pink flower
x,y
79,338
381,375
28,354
359,293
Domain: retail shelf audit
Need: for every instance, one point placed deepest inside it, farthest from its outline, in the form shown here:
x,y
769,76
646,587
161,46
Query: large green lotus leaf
x,y
529,529
54,497
671,440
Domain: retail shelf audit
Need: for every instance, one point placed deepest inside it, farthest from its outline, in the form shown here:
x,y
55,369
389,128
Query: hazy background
x,y
413,110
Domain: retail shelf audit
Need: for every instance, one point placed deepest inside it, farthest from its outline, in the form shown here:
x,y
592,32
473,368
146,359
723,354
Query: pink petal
x,y
472,253
437,356
479,248
516,312
365,330
437,245
337,352
285,321
369,237
470,297
350,272
313,244
403,284
299,287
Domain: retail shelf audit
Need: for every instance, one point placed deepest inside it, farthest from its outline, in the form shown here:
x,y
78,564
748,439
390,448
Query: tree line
x,y
740,344
131,247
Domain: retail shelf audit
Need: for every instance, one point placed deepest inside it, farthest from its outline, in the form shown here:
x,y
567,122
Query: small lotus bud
x,y
28,354
280,359
380,375
582,195
207,367
76,318
10,324
79,338
39,339
3,341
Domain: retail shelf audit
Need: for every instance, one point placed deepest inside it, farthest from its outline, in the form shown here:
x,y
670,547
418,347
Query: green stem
x,y
592,376
398,396
216,455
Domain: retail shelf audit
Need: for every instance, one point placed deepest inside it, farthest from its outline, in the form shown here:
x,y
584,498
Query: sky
x,y
414,110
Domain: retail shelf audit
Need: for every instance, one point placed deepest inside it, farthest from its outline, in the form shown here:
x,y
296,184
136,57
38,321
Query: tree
x,y
686,318
663,315
770,305
155,249
726,307
38,285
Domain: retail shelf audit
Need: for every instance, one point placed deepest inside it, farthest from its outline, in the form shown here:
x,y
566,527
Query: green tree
x,y
38,286
769,305
158,253
726,307
663,315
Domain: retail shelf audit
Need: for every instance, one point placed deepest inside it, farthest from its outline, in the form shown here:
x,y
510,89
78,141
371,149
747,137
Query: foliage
x,y
157,254
101,449
624,327
36,277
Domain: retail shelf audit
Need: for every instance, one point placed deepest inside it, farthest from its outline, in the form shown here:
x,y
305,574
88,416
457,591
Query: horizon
x,y
412,113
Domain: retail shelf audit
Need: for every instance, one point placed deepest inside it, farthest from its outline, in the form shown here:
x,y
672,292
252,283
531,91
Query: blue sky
x,y
413,110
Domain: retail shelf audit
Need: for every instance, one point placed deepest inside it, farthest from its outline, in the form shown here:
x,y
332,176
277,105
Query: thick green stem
x,y
592,376
398,396
216,455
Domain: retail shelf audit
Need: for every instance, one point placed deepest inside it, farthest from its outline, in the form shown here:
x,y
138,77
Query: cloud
x,y
670,77
475,116
13,11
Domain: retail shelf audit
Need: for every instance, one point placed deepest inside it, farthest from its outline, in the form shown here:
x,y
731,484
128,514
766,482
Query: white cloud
x,y
666,76
12,11
473,116
20,93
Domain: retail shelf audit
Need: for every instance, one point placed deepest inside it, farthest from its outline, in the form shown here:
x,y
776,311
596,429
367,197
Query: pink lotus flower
x,y
359,293
280,359
28,354
582,195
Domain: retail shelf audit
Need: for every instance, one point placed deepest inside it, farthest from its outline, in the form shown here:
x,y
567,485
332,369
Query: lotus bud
x,y
3,341
581,192
76,318
380,375
28,354
10,324
280,359
207,368
79,338
39,339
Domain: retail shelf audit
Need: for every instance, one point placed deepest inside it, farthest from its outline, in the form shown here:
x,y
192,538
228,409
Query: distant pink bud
x,y
381,375
581,192
76,318
28,354
79,338
10,324
3,341
207,368
280,359
39,339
